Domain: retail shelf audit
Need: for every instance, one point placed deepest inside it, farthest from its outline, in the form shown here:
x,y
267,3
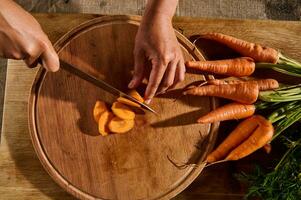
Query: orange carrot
x,y
237,67
236,137
263,84
261,136
127,102
132,93
267,84
136,95
245,93
228,112
257,52
222,82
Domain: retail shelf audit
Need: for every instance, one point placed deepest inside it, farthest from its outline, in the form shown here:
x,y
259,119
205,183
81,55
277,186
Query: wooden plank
x,y
247,9
21,174
3,64
56,25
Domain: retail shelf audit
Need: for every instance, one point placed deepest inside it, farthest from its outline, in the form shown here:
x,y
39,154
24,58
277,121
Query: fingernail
x,y
147,101
131,84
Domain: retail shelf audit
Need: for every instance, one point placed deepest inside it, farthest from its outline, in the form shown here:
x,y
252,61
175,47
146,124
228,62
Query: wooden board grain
x,y
247,9
127,166
23,177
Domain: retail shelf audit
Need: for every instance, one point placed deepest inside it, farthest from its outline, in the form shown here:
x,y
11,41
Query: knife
x,y
102,84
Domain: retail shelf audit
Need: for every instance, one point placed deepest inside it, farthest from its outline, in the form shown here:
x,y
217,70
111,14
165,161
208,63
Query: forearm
x,y
13,14
165,8
7,6
156,42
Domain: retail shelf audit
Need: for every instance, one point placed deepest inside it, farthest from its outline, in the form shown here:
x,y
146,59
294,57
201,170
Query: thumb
x,y
138,71
50,60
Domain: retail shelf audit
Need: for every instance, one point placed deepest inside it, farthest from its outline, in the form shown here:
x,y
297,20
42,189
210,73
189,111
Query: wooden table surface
x,y
21,174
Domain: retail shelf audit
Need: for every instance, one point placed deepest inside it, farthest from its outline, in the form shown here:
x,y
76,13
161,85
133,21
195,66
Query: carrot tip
x,y
210,159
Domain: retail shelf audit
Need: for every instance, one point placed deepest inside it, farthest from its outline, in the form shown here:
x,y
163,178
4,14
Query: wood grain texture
x,y
3,64
21,174
128,166
247,9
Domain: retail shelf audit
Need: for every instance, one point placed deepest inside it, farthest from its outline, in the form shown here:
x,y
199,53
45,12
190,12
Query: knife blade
x,y
102,84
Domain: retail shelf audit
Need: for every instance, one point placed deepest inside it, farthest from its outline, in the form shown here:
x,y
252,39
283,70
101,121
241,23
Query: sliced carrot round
x,y
136,95
127,102
103,122
98,109
122,111
118,125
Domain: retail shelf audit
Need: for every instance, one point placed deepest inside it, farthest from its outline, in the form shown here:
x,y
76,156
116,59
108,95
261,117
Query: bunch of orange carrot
x,y
243,93
255,56
255,132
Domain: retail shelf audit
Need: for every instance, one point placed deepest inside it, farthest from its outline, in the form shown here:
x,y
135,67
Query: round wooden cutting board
x,y
135,165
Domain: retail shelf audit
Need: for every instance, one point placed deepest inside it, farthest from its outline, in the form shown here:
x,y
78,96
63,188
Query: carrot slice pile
x,y
121,117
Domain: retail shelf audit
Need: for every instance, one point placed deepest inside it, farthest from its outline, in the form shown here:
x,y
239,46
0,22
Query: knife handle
x,y
36,63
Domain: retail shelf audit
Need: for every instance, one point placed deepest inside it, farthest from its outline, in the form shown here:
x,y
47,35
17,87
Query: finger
x,y
156,75
32,61
180,73
50,60
30,49
138,71
168,78
50,53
